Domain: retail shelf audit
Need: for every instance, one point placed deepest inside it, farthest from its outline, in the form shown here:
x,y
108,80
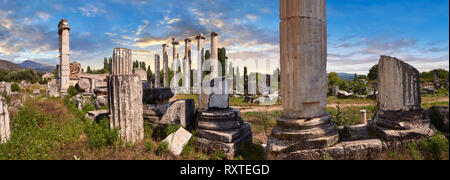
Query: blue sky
x,y
359,31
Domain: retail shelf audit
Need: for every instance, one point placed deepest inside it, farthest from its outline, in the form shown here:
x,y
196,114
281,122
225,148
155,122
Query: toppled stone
x,y
344,94
100,101
52,89
100,91
181,113
5,87
177,141
83,85
428,90
96,115
36,91
157,95
439,116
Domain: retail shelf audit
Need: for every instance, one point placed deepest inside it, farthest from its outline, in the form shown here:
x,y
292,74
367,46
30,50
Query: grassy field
x,y
52,128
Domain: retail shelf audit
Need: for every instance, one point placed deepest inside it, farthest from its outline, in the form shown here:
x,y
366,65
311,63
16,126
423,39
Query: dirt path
x,y
245,109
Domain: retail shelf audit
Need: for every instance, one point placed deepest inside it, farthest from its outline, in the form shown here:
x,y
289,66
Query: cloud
x,y
43,15
91,10
142,27
252,17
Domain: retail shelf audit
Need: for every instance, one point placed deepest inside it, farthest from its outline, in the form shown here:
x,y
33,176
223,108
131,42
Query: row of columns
x,y
187,62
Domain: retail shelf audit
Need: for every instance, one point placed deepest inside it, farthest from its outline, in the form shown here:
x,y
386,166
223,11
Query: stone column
x,y
64,55
200,59
303,60
214,55
187,66
157,72
399,115
125,97
166,65
5,130
174,62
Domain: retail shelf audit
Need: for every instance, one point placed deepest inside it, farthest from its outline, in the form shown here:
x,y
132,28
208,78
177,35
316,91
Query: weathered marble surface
x,y
399,115
303,60
166,65
64,55
5,129
177,141
157,71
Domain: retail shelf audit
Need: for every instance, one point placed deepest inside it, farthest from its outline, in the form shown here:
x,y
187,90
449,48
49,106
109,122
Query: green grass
x,y
428,105
40,132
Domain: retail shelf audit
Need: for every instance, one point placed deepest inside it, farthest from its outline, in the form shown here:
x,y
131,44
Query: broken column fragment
x,y
5,130
218,126
125,97
399,115
156,104
303,62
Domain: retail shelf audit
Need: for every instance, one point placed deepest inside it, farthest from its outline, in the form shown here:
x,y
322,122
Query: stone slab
x,y
177,141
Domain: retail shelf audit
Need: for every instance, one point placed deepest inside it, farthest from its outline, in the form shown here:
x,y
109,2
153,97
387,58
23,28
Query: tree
x,y
245,80
333,79
89,70
207,55
222,57
373,73
106,64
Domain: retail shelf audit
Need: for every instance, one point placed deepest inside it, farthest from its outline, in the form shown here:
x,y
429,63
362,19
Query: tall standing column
x,y
303,56
175,61
125,97
187,66
214,55
200,59
64,55
157,72
166,65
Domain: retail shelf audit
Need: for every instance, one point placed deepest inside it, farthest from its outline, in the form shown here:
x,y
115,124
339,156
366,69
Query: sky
x,y
359,31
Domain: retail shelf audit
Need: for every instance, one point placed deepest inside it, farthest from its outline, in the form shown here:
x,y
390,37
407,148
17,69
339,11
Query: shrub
x,y
163,148
72,91
414,151
100,135
149,145
250,151
15,87
435,147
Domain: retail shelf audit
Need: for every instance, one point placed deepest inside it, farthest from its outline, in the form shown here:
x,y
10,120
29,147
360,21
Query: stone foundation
x,y
299,134
222,130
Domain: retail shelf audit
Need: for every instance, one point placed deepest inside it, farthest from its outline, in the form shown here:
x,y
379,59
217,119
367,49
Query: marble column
x,y
157,72
187,66
200,59
5,126
125,97
64,55
166,65
303,61
175,62
214,56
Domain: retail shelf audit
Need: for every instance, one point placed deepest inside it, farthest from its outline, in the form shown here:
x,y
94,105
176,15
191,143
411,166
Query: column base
x,y
292,135
400,125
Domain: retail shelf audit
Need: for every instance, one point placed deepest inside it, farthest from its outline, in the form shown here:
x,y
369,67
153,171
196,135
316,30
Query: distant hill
x,y
36,66
9,66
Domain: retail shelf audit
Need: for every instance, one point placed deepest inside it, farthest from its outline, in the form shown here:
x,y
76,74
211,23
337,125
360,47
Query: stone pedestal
x,y
220,128
303,42
125,97
64,55
5,130
399,115
157,72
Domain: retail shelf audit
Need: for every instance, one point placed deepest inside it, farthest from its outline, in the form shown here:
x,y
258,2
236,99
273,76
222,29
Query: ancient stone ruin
x,y
399,115
5,130
304,123
125,97
64,56
220,127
